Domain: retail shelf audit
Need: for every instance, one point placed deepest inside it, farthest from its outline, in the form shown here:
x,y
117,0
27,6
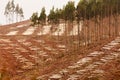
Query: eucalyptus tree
x,y
7,12
101,14
51,19
88,20
81,16
98,18
17,12
12,10
42,17
94,11
108,15
116,15
112,17
57,15
20,12
118,6
69,12
54,19
51,16
79,13
69,17
34,18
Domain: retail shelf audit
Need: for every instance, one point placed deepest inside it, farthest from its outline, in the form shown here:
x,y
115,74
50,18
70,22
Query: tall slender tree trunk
x,y
12,17
95,28
16,17
78,34
88,33
109,20
65,36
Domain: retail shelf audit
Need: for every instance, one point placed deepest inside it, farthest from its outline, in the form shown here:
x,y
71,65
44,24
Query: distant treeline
x,y
13,13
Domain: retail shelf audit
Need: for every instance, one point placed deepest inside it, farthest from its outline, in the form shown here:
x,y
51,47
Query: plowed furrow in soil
x,y
87,66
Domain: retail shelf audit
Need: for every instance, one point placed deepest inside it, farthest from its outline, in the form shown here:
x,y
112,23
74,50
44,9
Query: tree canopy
x,y
42,17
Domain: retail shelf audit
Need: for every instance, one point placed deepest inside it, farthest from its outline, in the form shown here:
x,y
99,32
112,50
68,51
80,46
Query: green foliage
x,y
69,13
38,19
93,8
81,9
55,16
42,17
51,16
34,18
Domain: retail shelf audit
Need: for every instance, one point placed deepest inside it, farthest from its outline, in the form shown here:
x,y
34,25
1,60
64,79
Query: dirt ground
x,y
28,57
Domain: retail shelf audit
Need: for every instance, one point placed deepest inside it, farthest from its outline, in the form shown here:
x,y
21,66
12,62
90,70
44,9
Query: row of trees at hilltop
x,y
99,19
86,9
13,13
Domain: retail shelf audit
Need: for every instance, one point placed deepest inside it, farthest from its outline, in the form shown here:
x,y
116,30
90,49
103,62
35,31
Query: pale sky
x,y
30,6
